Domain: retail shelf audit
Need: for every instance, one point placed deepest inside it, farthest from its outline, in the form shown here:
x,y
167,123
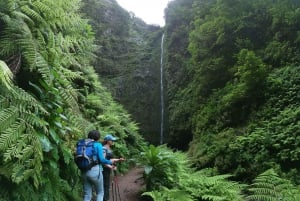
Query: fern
x,y
9,137
52,45
44,69
5,75
8,117
80,124
187,184
33,15
268,186
213,188
166,195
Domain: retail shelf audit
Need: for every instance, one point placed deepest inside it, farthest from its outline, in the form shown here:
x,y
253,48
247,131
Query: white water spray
x,y
162,91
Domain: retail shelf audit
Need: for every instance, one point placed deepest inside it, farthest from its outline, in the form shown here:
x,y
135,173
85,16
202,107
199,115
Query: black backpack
x,y
85,156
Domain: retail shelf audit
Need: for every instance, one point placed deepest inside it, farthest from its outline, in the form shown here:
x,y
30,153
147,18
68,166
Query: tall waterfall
x,y
162,90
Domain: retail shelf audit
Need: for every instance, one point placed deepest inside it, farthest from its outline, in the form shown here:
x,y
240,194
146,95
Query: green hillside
x,y
232,104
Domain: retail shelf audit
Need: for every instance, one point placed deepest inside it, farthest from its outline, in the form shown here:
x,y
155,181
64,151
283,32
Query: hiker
x,y
108,154
93,177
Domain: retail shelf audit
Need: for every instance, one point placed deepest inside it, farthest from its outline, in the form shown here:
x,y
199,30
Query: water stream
x,y
162,91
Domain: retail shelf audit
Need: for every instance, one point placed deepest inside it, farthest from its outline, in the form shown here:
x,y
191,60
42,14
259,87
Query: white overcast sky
x,y
150,11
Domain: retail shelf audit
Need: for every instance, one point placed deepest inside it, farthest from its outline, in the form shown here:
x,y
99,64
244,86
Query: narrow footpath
x,y
130,185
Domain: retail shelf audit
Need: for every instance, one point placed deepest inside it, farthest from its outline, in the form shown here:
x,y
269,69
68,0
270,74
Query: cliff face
x,y
128,62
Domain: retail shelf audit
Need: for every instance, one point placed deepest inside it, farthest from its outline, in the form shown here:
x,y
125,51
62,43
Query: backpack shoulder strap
x,y
88,141
94,143
104,149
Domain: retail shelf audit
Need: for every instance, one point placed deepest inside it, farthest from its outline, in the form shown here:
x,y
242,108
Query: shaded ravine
x,y
130,185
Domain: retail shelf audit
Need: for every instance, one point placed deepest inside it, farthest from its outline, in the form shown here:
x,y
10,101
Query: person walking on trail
x,y
108,154
93,177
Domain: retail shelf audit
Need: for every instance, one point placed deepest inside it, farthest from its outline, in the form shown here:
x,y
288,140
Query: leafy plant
x,y
46,77
162,167
268,186
188,184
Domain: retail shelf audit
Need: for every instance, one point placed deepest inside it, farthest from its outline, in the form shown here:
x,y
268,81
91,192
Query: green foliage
x,y
268,186
206,185
239,102
183,182
5,74
270,138
178,72
212,187
156,159
47,48
35,123
251,71
166,194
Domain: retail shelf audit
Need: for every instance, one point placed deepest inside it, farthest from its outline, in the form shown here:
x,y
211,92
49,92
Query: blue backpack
x,y
85,155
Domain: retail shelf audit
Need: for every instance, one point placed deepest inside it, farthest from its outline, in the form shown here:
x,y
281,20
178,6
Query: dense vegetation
x,y
50,96
232,76
233,84
179,182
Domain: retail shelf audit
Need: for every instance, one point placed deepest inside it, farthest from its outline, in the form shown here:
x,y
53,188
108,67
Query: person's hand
x,y
121,159
117,160
114,160
113,167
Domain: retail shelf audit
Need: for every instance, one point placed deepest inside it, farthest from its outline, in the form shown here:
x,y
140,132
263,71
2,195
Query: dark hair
x,y
95,135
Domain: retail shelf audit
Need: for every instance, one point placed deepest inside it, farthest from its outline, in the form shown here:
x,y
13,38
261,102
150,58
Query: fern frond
x,y
166,195
33,15
27,152
6,38
71,75
42,44
43,7
79,122
34,121
213,188
216,180
69,95
8,116
25,100
9,137
23,16
3,102
67,153
268,186
5,75
19,173
6,6
31,160
43,68
213,198
29,50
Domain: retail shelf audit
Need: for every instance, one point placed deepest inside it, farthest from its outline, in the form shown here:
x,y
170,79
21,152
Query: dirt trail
x,y
130,185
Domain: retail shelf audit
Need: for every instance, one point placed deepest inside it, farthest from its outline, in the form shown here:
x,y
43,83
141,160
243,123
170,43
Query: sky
x,y
150,11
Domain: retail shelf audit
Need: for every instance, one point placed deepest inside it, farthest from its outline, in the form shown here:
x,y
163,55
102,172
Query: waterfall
x,y
162,91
